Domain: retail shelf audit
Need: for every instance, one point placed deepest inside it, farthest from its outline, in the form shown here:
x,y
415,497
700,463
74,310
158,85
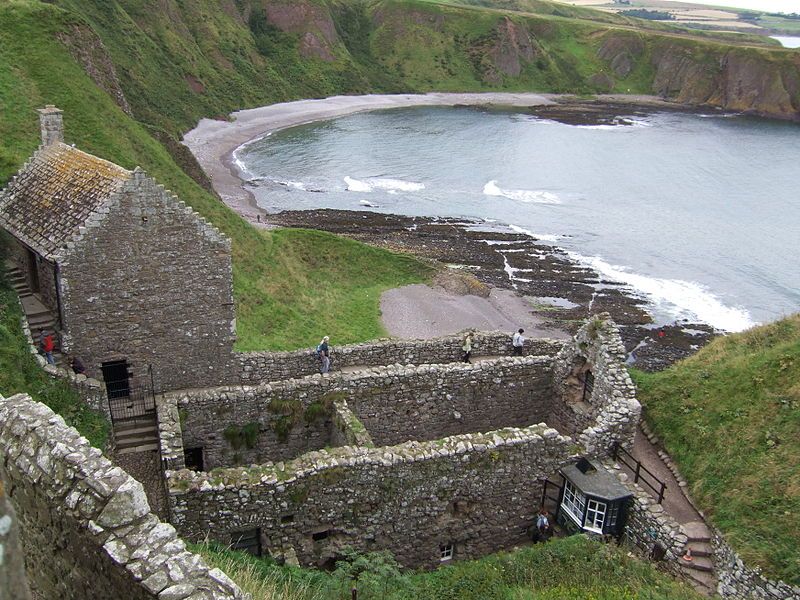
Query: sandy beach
x,y
213,142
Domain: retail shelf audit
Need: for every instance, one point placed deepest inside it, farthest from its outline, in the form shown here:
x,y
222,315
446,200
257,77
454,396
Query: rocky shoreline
x,y
560,292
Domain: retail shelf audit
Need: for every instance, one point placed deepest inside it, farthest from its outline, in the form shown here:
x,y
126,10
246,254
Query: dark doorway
x,y
193,458
117,379
33,272
249,541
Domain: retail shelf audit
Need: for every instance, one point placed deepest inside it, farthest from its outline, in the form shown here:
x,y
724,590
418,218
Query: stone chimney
x,y
52,124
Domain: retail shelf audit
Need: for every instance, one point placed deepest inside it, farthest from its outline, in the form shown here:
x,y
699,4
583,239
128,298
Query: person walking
x,y
324,353
518,342
467,348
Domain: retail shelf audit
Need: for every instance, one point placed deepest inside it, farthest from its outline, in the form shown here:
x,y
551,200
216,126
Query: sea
x,y
697,213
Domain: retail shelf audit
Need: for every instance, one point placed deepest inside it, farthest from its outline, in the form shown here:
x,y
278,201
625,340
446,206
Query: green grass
x,y
730,417
20,373
316,284
574,568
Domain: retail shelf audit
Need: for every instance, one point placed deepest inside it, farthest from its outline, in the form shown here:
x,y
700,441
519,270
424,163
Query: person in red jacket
x,y
47,344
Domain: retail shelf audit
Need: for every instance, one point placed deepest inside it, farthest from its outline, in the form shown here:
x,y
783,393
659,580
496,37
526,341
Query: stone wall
x,y
347,429
161,298
737,580
395,404
258,367
479,492
85,525
649,524
611,412
13,578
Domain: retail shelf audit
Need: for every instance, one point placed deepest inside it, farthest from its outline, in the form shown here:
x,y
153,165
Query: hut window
x,y
574,502
588,385
595,515
613,514
446,552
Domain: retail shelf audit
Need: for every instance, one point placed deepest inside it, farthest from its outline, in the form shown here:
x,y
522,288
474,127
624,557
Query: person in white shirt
x,y
518,342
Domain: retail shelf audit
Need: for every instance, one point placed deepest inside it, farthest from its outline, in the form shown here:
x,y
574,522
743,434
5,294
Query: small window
x,y
588,385
287,519
446,552
613,515
595,515
320,535
249,541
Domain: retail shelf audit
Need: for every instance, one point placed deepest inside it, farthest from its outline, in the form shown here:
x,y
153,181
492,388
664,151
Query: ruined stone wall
x,y
395,404
85,525
611,413
163,297
479,492
258,367
737,580
347,430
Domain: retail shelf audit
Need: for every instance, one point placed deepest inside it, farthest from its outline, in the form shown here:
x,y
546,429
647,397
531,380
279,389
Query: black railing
x,y
641,474
131,402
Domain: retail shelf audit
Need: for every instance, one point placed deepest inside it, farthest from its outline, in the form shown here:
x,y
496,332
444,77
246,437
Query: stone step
x,y
152,447
139,439
696,531
135,430
698,563
701,548
703,581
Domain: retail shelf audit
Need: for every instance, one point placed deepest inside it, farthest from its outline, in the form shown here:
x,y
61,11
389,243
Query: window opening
x,y
446,552
249,541
595,515
588,385
320,535
574,503
287,519
613,514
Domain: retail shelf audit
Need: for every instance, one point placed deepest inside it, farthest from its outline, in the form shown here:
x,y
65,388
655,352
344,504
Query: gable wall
x,y
150,281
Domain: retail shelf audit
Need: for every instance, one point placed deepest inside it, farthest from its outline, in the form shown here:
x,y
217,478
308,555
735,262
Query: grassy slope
x,y
574,568
730,417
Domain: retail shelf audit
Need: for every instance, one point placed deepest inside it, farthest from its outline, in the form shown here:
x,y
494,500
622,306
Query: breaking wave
x,y
527,196
379,183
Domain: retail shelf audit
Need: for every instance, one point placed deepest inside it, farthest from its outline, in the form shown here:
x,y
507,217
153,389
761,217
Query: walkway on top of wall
x,y
473,360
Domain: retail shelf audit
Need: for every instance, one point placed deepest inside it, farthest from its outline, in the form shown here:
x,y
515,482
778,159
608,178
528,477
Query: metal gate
x,y
128,401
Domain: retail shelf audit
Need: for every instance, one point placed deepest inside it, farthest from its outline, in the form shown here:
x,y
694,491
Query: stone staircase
x,y
700,569
136,435
39,317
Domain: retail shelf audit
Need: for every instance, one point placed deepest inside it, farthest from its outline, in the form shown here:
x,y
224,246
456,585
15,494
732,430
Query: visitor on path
x,y
324,353
467,348
543,521
46,344
77,366
518,342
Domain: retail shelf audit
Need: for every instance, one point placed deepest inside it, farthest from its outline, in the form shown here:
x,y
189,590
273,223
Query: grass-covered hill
x,y
730,417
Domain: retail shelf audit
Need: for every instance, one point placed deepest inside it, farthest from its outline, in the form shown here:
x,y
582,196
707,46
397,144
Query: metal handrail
x,y
620,454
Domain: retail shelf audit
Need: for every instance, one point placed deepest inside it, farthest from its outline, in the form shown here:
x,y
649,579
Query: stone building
x,y
134,278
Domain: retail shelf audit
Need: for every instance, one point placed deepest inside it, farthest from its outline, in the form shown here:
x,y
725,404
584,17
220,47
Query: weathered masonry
x,y
85,527
132,276
431,462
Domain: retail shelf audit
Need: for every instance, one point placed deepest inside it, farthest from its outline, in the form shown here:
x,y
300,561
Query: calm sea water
x,y
698,213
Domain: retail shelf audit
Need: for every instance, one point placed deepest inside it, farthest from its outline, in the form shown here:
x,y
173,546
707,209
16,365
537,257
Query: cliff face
x,y
169,62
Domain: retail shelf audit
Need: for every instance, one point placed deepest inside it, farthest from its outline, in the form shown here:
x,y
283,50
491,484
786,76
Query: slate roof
x,y
597,482
55,193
